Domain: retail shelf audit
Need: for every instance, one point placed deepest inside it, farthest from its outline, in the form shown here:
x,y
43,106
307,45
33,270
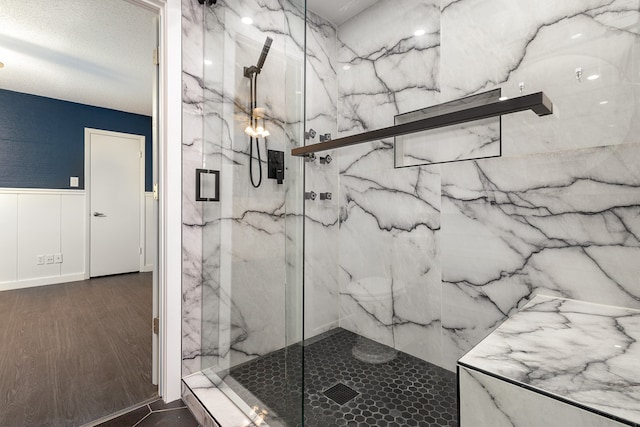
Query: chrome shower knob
x,y
325,160
325,137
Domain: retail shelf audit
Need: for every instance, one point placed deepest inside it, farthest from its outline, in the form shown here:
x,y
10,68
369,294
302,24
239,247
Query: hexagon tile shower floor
x,y
404,391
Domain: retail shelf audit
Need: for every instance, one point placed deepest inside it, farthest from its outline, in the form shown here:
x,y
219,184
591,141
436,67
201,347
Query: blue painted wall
x,y
42,139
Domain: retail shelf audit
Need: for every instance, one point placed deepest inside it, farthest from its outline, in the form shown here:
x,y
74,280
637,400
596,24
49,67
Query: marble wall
x,y
192,211
389,274
430,259
234,251
321,298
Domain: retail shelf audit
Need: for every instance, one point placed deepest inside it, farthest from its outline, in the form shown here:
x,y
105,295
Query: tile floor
x,y
156,414
402,391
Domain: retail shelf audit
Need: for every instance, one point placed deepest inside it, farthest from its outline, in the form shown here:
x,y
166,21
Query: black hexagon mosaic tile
x,y
400,391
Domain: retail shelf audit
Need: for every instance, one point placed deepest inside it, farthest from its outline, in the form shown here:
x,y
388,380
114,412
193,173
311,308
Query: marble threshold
x,y
581,353
220,402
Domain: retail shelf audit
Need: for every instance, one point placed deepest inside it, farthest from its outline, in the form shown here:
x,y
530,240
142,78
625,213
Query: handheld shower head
x,y
263,55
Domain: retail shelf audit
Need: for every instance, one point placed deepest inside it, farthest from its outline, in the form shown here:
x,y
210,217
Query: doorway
x,y
114,184
64,260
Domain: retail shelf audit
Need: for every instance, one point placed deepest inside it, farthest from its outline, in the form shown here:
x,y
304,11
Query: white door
x,y
116,193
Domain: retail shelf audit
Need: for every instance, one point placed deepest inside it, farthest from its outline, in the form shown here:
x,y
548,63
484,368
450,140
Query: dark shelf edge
x,y
536,102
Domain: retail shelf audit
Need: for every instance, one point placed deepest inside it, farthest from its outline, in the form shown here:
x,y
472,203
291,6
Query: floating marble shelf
x,y
537,102
572,362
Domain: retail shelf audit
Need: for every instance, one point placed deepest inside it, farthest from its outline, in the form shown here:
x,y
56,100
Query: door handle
x,y
99,214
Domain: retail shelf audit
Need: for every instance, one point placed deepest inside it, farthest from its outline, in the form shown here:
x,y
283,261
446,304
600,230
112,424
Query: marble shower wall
x,y
430,259
389,274
192,211
234,262
502,43
321,302
562,224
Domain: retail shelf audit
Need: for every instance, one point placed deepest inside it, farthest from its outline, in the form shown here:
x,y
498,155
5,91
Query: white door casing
x,y
155,334
170,173
114,182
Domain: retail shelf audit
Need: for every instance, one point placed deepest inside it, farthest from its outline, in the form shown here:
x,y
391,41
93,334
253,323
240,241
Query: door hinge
x,y
156,57
156,325
140,249
155,191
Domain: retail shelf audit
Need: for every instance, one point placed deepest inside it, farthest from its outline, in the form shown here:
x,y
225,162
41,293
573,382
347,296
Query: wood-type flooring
x,y
75,352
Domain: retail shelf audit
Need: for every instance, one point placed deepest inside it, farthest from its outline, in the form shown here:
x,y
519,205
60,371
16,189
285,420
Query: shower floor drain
x,y
340,393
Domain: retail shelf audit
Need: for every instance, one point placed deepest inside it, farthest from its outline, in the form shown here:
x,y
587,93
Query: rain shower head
x,y
255,69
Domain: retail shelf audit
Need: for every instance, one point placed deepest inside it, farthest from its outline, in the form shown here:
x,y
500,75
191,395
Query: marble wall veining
x,y
321,302
389,276
234,251
568,359
563,224
192,146
431,258
428,259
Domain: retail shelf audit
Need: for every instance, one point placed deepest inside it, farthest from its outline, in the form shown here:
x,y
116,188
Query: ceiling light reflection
x,y
247,20
420,32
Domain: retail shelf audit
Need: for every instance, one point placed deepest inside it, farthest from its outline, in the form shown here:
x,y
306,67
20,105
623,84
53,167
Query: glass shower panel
x,y
252,238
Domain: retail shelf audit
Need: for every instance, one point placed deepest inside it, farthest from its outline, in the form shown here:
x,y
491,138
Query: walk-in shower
x,y
351,309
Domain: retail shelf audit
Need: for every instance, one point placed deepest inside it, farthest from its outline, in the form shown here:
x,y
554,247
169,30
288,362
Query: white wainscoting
x,y
37,222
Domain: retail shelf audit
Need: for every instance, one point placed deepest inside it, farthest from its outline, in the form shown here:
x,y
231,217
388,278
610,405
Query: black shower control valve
x,y
325,196
310,195
325,137
310,135
325,160
311,157
275,165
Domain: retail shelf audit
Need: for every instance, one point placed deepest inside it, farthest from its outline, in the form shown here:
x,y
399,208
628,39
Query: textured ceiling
x,y
87,51
338,11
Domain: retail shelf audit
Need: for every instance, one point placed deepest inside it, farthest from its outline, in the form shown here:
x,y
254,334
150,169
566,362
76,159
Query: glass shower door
x,y
252,236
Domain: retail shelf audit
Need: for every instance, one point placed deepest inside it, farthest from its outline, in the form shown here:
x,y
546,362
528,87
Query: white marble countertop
x,y
582,353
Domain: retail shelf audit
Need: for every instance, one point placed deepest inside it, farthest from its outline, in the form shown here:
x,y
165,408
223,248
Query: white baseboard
x,y
147,268
41,281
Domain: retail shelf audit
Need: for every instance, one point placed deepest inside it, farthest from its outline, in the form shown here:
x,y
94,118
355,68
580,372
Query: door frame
x,y
87,188
170,193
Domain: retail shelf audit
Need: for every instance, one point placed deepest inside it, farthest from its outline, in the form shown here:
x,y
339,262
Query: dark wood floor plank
x,y
75,352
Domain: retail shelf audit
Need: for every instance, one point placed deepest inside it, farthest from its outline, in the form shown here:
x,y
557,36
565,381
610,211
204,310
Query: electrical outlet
x,y
40,259
57,258
48,258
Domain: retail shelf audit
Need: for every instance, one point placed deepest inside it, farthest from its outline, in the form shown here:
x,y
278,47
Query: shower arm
x,y
537,102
